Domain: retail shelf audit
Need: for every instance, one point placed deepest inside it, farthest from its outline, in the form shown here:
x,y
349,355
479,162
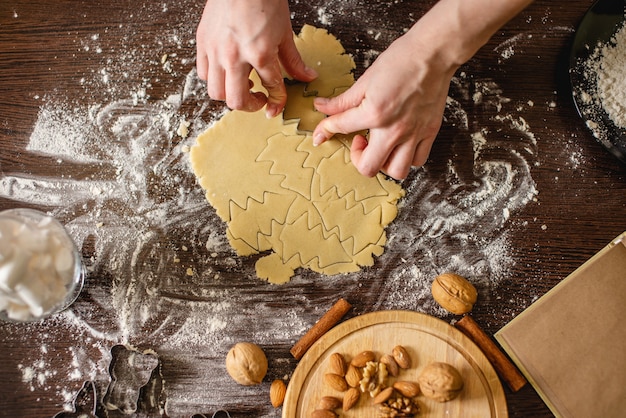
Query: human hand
x,y
236,36
402,96
400,99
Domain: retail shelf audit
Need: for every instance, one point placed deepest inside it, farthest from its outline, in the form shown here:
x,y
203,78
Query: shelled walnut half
x,y
374,378
398,406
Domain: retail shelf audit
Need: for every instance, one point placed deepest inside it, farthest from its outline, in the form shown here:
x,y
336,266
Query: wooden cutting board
x,y
427,339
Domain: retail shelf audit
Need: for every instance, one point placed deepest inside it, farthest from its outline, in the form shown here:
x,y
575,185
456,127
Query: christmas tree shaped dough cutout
x,y
297,205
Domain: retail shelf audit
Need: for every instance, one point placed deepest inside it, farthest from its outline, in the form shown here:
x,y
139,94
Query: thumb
x,y
292,62
353,119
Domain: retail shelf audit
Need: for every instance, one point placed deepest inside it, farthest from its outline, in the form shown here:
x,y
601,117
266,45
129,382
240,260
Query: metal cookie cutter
x,y
84,404
136,383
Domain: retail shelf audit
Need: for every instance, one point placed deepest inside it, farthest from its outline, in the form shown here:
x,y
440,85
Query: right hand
x,y
236,36
400,99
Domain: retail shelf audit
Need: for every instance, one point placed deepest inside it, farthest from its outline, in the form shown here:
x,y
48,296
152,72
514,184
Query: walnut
x,y
440,381
374,378
381,377
246,363
454,293
369,371
398,406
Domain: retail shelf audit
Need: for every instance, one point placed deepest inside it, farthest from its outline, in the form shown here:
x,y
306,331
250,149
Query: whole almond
x,y
323,413
362,358
353,376
392,367
336,364
329,402
401,356
350,398
336,382
383,395
407,389
277,392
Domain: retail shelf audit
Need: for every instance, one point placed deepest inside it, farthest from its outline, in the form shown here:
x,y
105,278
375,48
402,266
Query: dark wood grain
x,y
54,52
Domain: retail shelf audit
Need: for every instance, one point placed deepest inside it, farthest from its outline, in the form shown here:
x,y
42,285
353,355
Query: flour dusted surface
x,y
161,274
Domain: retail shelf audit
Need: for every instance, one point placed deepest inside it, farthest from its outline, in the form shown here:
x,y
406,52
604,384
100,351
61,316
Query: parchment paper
x,y
571,343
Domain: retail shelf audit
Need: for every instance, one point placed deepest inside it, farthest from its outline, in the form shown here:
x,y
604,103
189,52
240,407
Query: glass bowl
x,y
41,270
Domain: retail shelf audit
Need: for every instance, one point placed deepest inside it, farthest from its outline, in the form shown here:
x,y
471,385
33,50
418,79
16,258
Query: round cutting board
x,y
427,339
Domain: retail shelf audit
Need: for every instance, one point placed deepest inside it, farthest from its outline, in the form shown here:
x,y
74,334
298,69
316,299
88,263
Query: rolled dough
x,y
307,206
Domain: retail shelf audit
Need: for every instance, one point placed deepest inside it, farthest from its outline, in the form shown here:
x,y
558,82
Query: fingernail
x,y
318,139
311,72
319,101
270,111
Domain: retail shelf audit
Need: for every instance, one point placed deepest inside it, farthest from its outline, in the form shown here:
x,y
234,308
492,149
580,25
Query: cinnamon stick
x,y
500,362
326,322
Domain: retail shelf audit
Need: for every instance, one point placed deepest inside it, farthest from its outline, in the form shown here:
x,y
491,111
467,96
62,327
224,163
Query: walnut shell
x,y
246,363
454,293
440,382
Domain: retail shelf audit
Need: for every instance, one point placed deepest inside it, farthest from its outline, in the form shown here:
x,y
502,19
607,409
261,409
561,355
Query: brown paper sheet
x,y
571,343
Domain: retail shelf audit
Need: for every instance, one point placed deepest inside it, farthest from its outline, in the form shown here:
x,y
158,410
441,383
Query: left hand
x,y
236,36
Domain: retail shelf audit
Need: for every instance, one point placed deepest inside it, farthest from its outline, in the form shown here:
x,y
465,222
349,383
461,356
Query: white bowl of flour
x,y
41,271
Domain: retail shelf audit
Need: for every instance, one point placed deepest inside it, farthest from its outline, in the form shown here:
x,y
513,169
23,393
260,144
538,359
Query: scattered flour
x,y
160,266
142,195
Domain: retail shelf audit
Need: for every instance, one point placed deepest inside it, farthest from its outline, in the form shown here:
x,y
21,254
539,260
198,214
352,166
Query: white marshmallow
x,y
34,297
18,312
63,259
12,271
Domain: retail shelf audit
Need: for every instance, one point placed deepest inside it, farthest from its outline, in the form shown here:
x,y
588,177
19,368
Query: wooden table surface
x,y
516,195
